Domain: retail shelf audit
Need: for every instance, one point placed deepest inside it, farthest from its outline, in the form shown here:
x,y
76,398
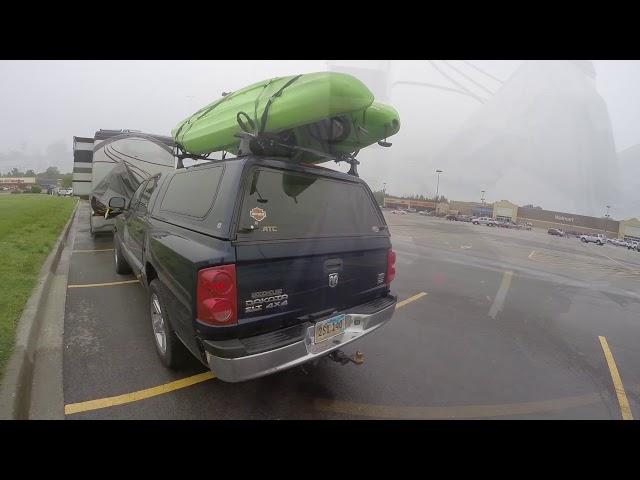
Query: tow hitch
x,y
340,357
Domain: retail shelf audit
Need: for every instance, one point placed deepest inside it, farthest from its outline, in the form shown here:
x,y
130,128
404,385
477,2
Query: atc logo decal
x,y
257,214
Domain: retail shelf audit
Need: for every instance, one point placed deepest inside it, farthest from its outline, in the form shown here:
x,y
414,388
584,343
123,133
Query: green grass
x,y
29,227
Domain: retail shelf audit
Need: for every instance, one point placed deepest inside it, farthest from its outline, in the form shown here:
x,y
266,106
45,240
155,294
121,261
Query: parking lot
x,y
491,323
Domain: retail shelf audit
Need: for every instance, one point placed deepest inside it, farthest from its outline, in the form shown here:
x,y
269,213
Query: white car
x,y
600,239
482,221
632,245
399,212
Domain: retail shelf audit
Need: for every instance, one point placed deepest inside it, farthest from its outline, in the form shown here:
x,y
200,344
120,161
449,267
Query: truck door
x,y
139,222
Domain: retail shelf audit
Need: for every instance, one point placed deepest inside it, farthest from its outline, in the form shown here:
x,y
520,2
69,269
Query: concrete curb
x,y
15,389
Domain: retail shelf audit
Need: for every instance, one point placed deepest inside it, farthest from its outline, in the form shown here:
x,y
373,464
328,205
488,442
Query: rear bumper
x,y
360,320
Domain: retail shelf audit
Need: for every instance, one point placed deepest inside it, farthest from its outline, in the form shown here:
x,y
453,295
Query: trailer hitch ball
x,y
358,358
340,357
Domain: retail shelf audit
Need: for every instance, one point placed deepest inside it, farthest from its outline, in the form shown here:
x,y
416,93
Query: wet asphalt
x,y
509,329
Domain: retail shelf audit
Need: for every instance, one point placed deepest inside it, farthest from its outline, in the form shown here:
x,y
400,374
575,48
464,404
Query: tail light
x,y
217,296
391,266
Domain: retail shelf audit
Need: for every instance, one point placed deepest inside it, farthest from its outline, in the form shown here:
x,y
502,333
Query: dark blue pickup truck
x,y
255,264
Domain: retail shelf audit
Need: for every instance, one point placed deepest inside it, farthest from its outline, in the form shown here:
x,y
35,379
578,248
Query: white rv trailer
x,y
142,154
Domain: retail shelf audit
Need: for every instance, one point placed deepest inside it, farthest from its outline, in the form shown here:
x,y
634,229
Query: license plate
x,y
330,328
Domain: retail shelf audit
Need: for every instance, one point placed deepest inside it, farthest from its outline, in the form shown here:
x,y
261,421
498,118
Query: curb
x,y
15,386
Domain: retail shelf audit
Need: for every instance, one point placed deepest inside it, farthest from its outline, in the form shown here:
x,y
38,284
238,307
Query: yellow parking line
x,y
94,250
72,408
89,285
410,299
617,381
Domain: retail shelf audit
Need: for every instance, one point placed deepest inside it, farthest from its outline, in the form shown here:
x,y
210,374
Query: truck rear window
x,y
285,205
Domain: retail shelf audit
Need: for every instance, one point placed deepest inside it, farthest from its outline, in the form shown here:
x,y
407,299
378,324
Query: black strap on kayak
x,y
250,128
265,113
257,102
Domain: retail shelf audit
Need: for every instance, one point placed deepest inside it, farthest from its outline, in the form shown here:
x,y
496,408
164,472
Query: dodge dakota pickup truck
x,y
256,265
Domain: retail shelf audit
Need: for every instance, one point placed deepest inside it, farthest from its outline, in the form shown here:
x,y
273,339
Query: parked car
x,y
507,224
452,217
426,213
463,218
525,226
261,281
65,192
555,231
632,245
399,212
600,239
482,220
411,210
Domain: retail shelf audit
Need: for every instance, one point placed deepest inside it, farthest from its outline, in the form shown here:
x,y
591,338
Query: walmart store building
x,y
569,222
544,219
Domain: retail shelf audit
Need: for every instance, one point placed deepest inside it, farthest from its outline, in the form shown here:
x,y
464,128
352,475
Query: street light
x,y
606,215
384,194
438,189
438,183
482,200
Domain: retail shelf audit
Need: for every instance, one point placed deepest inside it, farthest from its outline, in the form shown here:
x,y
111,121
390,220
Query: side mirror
x,y
117,203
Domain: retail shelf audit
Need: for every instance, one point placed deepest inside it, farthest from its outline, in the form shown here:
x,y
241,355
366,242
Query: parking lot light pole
x,y
384,194
438,172
482,200
606,216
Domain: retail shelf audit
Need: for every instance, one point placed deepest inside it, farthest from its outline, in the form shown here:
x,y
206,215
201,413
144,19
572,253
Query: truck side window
x,y
143,206
136,196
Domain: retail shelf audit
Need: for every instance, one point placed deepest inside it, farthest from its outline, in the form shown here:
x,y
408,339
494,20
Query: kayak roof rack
x,y
261,146
267,145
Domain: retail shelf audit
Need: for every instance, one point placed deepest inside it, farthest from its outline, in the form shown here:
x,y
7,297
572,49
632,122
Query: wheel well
x,y
150,272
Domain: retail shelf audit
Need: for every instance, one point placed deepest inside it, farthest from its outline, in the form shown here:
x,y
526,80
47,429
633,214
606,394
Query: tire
x,y
583,240
122,267
173,354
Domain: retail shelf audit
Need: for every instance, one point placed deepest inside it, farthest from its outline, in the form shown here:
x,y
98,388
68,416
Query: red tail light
x,y
391,266
216,297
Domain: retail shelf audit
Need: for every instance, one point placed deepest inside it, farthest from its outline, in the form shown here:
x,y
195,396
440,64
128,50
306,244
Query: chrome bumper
x,y
272,361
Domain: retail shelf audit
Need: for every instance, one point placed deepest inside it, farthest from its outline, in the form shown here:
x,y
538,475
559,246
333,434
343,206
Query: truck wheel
x,y
170,349
122,267
583,240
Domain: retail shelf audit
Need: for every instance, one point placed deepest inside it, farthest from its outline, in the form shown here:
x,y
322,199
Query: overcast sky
x,y
47,102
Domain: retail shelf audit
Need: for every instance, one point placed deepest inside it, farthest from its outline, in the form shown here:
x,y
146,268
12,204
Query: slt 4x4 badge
x,y
257,214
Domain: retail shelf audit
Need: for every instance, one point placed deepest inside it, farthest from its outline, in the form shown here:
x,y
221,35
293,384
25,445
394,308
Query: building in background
x,y
17,183
82,166
630,229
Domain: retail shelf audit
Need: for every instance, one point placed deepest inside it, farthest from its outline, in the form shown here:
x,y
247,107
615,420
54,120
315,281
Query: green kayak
x,y
325,113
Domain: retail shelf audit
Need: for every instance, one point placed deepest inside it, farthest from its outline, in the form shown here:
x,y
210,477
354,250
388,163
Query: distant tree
x,y
67,180
30,173
379,196
52,172
16,173
36,189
